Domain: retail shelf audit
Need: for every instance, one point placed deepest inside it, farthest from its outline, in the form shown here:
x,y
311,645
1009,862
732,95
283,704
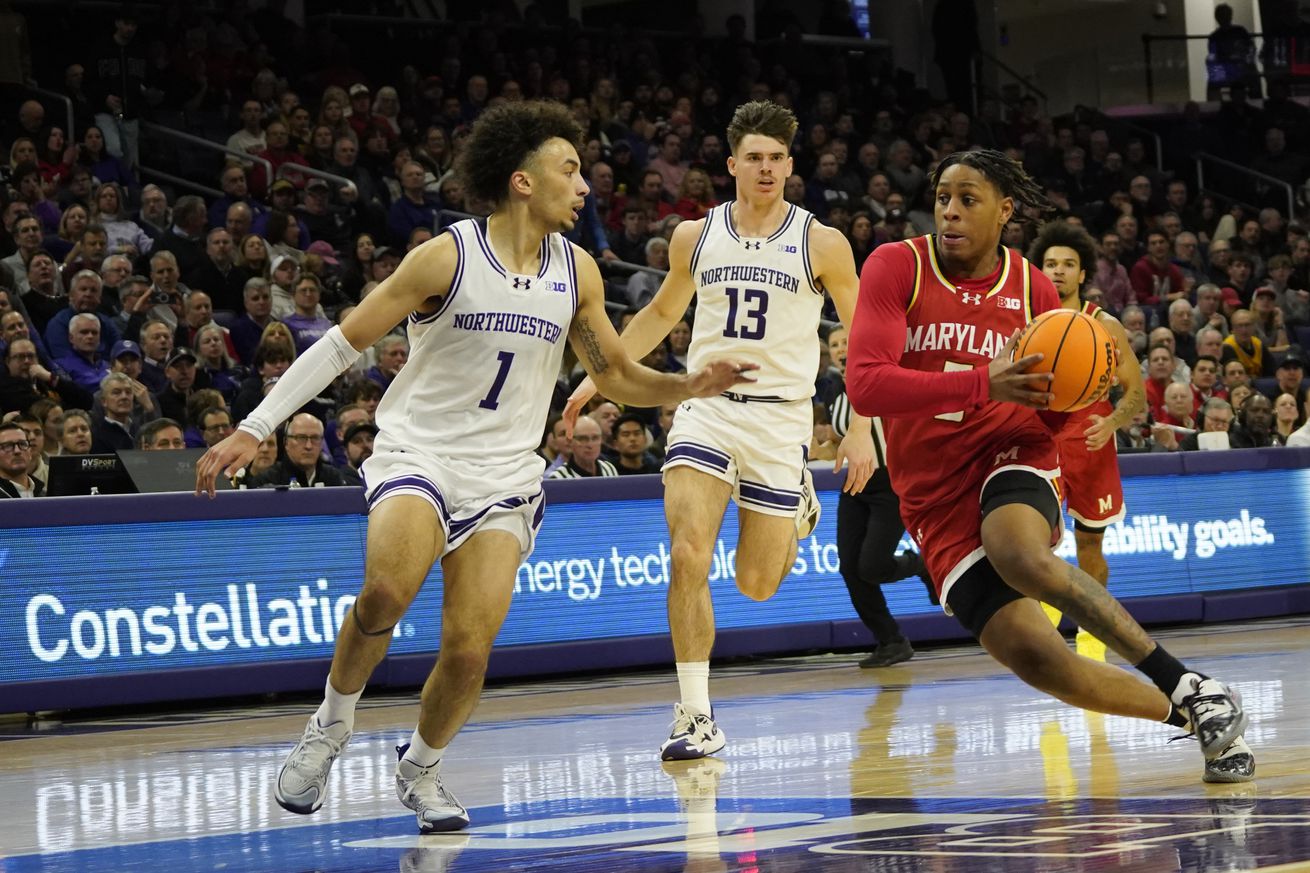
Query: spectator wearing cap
x,y
1289,378
392,351
83,296
24,381
361,115
15,459
1269,325
111,428
84,364
302,464
358,442
282,197
126,358
631,441
306,324
278,152
250,137
236,189
324,219
384,263
894,227
257,303
415,207
347,417
182,383
217,273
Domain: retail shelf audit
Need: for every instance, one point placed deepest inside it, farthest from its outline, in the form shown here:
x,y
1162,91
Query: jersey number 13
x,y
751,304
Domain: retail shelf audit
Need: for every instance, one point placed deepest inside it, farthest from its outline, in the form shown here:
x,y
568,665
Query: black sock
x,y
1176,717
1164,670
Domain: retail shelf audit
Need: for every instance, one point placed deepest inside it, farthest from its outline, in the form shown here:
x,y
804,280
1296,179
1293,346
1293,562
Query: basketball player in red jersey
x,y
976,464
1089,464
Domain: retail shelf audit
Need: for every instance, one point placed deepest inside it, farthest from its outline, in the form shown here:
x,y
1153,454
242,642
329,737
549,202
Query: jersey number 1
x,y
754,303
492,400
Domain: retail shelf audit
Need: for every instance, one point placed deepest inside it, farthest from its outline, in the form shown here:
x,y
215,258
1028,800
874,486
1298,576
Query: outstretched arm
x,y
622,379
653,323
419,283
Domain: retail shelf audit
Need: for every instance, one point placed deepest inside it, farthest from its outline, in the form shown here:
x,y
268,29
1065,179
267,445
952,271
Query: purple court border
x,y
557,658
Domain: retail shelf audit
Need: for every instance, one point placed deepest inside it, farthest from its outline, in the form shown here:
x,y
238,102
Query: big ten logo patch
x,y
557,286
1010,303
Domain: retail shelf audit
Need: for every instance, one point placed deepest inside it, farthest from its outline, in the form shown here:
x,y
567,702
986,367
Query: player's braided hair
x,y
1062,233
504,138
1007,174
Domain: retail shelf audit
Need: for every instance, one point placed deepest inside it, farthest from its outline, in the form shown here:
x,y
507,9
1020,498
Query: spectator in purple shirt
x,y
257,301
415,207
307,326
84,364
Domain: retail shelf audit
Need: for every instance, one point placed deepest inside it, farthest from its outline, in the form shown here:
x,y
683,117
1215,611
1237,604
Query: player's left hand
x,y
720,375
856,450
1099,433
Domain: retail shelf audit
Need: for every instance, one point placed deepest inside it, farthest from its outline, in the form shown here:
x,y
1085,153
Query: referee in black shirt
x,y
869,528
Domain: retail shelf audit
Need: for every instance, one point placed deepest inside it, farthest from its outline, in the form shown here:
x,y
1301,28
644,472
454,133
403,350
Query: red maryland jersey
x,y
919,351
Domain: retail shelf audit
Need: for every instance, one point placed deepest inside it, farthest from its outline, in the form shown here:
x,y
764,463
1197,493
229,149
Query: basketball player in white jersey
x,y
454,475
758,267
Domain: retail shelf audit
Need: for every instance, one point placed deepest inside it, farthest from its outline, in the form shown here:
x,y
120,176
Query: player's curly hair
x,y
503,140
1062,233
765,118
1007,174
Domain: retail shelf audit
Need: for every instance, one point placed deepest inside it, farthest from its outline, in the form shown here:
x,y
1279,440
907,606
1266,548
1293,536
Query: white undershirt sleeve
x,y
313,371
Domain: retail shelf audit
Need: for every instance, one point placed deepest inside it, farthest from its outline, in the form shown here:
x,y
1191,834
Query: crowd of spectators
x,y
136,315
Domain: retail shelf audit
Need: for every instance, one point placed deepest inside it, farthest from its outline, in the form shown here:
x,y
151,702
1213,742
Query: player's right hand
x,y
1008,383
577,402
234,453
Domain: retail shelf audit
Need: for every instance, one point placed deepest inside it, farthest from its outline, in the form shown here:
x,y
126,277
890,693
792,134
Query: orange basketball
x,y
1077,349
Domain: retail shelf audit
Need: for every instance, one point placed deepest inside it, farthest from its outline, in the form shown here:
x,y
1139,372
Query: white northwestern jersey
x,y
482,368
757,299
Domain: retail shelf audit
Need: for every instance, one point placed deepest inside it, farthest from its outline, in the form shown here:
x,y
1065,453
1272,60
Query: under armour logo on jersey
x,y
752,245
522,283
1009,303
975,299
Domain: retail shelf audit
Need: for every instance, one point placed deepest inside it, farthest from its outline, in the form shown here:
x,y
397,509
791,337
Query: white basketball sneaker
x,y
302,781
692,736
1234,764
807,514
1216,716
421,789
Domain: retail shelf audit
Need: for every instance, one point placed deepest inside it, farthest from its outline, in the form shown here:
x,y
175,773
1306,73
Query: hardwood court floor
x,y
942,764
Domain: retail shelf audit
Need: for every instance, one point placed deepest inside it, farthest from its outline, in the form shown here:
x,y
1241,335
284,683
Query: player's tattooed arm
x,y
596,360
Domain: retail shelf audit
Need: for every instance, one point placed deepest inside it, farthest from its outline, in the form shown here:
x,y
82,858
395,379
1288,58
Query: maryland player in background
x,y
976,465
1089,464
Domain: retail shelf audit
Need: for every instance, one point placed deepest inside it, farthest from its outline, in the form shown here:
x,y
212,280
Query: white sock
x,y
337,707
694,685
420,753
